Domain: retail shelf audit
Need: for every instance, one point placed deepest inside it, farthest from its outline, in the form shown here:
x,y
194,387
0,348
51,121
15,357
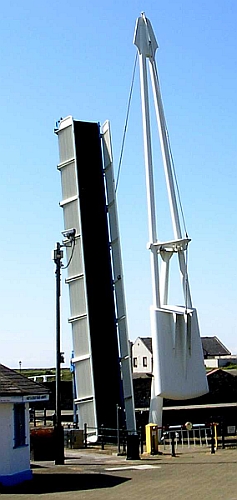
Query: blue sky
x,y
76,58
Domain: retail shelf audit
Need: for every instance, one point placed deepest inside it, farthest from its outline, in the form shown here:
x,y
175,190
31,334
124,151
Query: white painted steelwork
x,y
79,319
85,397
179,371
125,355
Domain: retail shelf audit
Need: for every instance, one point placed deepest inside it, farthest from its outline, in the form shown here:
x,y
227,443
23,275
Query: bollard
x,y
141,439
124,440
118,431
152,439
172,444
212,438
153,445
102,437
85,435
133,447
222,436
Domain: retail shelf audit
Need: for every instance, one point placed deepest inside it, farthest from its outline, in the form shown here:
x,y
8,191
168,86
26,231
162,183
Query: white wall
x,y
219,361
12,460
140,351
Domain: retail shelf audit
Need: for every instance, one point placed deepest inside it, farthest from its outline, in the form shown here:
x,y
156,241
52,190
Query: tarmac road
x,y
90,475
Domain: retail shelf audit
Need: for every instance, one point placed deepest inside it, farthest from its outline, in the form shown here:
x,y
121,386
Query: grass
x,y
33,372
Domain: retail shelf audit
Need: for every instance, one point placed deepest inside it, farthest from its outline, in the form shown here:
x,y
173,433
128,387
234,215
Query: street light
x,y
57,257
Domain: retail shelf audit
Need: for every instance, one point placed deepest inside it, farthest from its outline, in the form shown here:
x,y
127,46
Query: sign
x,y
231,429
41,397
189,426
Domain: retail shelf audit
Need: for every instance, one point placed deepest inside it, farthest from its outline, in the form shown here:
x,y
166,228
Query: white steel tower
x,y
179,371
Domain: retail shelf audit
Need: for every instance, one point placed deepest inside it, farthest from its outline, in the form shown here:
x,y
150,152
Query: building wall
x,y
141,357
219,361
13,461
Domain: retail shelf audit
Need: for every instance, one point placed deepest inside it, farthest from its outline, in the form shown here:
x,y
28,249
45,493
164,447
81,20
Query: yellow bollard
x,y
152,439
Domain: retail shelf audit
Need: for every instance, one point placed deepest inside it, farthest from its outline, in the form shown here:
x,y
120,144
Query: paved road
x,y
91,475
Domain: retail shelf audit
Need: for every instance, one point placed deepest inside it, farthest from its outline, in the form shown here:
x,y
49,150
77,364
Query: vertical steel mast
x,y
175,331
147,46
146,43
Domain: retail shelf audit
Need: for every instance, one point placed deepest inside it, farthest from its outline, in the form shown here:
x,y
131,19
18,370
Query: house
x,y
212,346
16,392
142,360
214,352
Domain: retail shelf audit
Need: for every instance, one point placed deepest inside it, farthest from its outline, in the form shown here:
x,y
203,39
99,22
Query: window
x,y
19,425
134,362
145,361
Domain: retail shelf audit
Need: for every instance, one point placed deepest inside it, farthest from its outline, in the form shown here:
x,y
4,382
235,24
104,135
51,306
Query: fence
x,y
173,438
212,435
178,437
125,442
47,417
107,436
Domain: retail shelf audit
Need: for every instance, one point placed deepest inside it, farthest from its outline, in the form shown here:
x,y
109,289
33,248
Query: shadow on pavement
x,y
50,483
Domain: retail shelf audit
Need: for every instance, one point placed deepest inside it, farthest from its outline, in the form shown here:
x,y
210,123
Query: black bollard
x,y
212,438
172,444
141,439
85,435
133,447
102,437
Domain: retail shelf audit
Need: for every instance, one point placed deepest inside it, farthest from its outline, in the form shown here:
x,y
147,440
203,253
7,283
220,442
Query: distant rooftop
x,y
148,342
212,346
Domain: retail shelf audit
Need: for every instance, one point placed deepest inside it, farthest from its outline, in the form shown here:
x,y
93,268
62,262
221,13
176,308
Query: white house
x,y
142,355
16,392
215,354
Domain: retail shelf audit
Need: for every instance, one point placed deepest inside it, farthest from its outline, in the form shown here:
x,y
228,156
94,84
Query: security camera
x,y
69,234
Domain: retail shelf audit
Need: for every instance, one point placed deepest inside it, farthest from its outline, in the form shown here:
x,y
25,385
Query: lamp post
x,y
118,430
58,428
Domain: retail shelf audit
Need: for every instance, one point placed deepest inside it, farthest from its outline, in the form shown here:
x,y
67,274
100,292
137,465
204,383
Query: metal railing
x,y
173,438
212,435
47,417
199,435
